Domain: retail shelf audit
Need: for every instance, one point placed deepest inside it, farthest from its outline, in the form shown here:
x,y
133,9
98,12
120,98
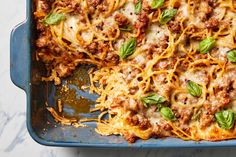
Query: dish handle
x,y
19,59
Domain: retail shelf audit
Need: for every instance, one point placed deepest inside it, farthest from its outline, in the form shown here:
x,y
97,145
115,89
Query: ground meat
x,y
142,22
71,4
133,90
138,120
192,33
130,75
167,127
232,88
129,137
45,55
174,26
146,7
112,58
177,4
97,47
234,84
200,56
205,10
103,46
167,89
212,23
185,115
142,25
144,124
128,104
212,3
41,27
122,20
93,3
44,40
163,43
159,47
133,120
176,112
45,6
93,47
102,7
206,120
215,103
227,84
111,32
166,64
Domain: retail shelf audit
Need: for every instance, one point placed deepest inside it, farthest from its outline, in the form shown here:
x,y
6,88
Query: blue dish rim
x,y
23,82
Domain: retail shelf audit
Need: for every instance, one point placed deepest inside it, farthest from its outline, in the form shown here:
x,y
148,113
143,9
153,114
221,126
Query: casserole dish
x,y
26,73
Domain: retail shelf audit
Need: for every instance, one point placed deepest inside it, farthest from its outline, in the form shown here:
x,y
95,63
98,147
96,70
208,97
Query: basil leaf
x,y
167,113
231,55
194,89
225,119
167,15
206,45
152,99
128,48
138,7
157,4
53,18
126,29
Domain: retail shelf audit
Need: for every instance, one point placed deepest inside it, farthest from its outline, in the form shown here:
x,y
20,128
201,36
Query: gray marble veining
x,y
4,118
19,138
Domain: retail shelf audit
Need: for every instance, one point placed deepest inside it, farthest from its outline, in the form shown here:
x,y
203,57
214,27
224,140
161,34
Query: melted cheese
x,y
128,11
155,33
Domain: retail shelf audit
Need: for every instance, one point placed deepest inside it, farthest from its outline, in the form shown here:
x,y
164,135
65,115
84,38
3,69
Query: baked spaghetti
x,y
164,68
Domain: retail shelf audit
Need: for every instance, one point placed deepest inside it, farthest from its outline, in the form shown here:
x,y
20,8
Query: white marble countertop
x,y
14,138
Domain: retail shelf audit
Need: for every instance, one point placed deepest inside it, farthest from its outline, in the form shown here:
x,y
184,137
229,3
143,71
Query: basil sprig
x,y
128,48
157,4
167,113
138,7
194,89
167,15
231,55
206,45
152,99
53,18
225,119
155,99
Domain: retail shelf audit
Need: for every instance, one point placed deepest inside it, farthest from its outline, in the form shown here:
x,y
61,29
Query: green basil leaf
x,y
167,113
138,7
167,15
231,55
128,48
206,45
194,89
225,119
157,4
126,29
53,18
152,99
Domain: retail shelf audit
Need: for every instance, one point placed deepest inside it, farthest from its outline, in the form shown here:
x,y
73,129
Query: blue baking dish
x,y
26,73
